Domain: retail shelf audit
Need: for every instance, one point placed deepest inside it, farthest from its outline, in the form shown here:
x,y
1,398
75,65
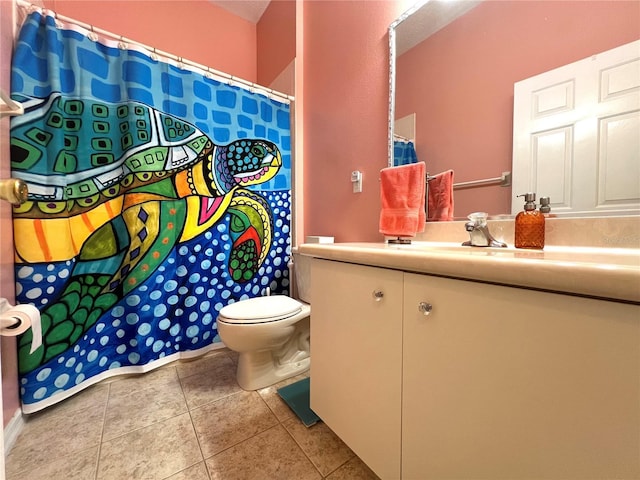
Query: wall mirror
x,y
453,66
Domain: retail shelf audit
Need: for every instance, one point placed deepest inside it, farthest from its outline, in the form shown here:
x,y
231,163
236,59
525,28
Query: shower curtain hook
x,y
180,64
56,20
154,54
93,36
122,45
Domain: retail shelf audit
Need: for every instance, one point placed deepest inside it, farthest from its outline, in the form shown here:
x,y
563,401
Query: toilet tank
x,y
301,276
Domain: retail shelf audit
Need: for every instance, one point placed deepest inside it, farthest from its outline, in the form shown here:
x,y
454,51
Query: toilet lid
x,y
260,309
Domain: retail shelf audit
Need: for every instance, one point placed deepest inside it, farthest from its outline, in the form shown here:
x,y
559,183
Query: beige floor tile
x,y
46,436
231,420
131,383
76,466
153,452
270,455
234,356
216,381
197,472
146,435
90,397
354,469
200,364
127,411
320,444
275,402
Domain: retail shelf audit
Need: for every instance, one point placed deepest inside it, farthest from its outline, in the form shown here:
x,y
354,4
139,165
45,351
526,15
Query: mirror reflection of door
x,y
576,134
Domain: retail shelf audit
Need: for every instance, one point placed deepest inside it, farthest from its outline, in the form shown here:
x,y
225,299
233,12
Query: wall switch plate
x,y
356,181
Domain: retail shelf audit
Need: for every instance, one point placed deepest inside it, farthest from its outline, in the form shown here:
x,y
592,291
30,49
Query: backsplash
x,y
605,232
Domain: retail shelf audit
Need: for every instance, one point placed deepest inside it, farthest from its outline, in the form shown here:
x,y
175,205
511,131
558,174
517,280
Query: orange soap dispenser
x,y
529,225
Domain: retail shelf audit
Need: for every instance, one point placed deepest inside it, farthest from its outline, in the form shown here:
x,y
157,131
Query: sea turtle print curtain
x,y
158,193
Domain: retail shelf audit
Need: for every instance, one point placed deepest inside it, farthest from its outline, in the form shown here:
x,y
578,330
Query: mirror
x,y
453,69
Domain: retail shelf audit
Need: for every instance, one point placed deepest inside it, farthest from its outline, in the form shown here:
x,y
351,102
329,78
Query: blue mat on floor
x,y
296,396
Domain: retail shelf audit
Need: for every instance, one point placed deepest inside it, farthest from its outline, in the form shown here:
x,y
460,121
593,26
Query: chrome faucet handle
x,y
479,235
479,219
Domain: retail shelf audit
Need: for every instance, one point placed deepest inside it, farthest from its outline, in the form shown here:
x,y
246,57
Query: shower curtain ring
x,y
92,34
122,45
56,20
154,55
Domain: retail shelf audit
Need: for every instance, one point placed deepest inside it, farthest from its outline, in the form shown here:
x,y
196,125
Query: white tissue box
x,y
318,239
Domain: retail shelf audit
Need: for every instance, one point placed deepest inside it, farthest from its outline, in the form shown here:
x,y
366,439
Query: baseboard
x,y
12,430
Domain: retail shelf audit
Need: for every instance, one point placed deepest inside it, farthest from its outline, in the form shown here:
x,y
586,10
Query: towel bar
x,y
504,181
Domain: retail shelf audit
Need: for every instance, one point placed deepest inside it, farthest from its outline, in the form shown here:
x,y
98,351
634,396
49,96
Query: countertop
x,y
609,273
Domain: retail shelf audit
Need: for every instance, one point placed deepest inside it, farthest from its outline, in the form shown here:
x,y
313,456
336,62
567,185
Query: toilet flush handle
x,y
377,295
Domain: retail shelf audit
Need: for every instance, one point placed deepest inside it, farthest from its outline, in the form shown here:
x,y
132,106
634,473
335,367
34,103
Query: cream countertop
x,y
612,273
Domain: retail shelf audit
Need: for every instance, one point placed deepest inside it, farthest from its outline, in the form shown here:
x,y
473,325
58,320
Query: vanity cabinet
x,y
495,382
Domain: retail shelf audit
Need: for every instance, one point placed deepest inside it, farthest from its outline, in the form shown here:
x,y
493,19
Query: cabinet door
x,y
356,359
502,382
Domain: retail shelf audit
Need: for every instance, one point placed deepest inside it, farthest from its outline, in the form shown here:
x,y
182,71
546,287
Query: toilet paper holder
x,y
4,305
16,320
12,322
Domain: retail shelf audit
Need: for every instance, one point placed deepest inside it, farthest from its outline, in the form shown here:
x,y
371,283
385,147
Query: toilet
x,y
270,334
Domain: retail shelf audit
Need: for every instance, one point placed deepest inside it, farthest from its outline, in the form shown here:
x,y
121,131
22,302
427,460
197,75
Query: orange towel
x,y
402,191
441,197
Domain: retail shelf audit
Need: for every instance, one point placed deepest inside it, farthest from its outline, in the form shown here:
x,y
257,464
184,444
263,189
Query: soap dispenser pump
x,y
530,225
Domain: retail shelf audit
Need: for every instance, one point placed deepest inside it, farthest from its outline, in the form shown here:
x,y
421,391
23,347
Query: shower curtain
x,y
158,193
404,152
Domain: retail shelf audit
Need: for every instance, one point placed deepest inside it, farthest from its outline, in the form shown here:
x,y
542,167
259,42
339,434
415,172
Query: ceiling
x,y
250,10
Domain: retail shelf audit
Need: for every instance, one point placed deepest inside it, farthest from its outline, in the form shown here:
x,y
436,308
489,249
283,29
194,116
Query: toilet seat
x,y
260,310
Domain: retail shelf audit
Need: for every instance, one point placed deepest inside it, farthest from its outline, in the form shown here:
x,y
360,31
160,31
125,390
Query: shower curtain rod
x,y
227,78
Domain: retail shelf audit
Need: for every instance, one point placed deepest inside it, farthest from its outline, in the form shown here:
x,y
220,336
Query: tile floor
x,y
188,420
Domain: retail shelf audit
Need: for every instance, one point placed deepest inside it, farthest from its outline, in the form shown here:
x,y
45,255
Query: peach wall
x,y
465,110
8,348
194,29
345,114
276,40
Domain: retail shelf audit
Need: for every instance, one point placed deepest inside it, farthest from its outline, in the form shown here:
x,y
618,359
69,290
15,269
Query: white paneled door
x,y
577,135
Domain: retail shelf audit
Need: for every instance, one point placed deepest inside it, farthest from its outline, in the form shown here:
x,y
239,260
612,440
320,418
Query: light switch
x,y
356,181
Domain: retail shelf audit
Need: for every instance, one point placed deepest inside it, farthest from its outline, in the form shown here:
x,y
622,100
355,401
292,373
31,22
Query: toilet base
x,y
257,370
269,352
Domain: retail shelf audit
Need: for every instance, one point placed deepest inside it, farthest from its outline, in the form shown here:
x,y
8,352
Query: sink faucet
x,y
479,232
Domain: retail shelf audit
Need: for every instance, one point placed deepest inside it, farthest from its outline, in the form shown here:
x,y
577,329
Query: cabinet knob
x,y
425,308
377,295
